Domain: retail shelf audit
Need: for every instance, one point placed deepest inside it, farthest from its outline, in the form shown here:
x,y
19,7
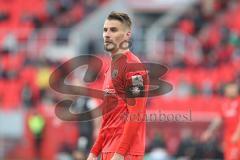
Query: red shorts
x,y
108,156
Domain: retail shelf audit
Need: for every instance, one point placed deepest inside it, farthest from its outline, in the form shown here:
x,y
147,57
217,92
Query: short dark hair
x,y
122,17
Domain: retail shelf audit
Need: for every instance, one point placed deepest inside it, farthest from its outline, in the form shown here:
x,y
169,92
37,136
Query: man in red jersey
x,y
125,89
230,118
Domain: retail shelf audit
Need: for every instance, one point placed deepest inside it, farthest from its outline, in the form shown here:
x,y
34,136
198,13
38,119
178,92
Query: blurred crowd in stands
x,y
202,51
203,47
207,35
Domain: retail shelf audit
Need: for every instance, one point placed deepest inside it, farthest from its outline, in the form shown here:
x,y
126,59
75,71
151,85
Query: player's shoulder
x,y
131,63
129,60
132,58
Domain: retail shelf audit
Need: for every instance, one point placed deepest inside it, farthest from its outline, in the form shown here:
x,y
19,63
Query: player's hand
x,y
235,138
206,136
117,156
92,157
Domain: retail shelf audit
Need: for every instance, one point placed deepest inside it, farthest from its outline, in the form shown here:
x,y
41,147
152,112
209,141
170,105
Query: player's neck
x,y
118,54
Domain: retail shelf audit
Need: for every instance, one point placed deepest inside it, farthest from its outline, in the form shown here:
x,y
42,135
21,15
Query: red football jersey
x,y
230,112
125,87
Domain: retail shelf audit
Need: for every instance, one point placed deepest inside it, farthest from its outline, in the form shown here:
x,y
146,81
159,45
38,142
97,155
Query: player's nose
x,y
106,34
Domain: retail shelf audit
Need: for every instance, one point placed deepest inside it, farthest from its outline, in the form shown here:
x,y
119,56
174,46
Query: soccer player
x,y
125,86
230,118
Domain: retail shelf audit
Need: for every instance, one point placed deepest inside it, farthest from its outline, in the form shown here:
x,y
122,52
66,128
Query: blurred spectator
x,y
79,155
4,16
27,97
157,150
65,153
187,146
85,127
184,89
64,27
91,46
90,6
10,42
36,124
229,117
211,149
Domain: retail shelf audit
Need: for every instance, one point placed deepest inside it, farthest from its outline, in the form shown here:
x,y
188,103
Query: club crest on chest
x,y
114,73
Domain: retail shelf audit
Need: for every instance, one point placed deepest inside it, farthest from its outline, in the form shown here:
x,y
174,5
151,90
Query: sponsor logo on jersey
x,y
109,91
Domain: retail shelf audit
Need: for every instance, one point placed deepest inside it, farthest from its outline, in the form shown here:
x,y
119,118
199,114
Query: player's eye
x,y
105,29
114,29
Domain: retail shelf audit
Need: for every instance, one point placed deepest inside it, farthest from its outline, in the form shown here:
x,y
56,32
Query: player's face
x,y
231,90
114,32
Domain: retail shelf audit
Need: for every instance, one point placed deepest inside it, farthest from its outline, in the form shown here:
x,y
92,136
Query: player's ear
x,y
129,34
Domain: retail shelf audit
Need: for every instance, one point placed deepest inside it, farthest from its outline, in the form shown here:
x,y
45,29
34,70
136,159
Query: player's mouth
x,y
109,45
108,41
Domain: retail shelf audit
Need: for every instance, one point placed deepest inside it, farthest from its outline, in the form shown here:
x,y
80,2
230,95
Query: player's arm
x,y
97,126
97,147
214,125
236,134
136,102
131,126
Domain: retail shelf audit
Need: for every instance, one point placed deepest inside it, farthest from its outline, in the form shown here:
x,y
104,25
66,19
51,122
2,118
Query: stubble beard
x,y
110,47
